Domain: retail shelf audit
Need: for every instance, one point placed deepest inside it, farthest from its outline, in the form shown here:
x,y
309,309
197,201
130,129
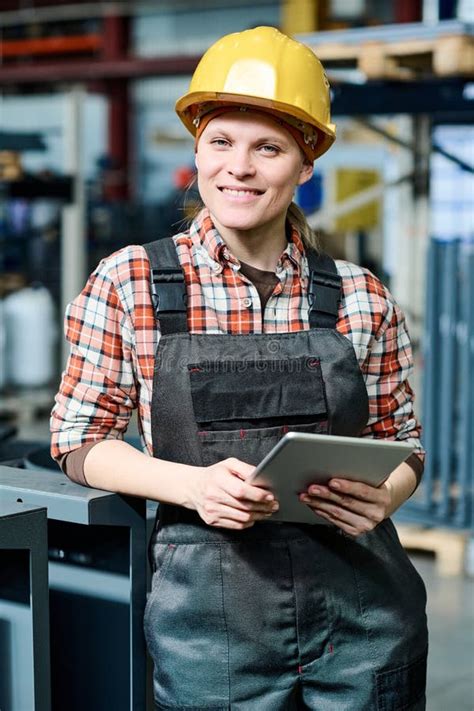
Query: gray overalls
x,y
277,616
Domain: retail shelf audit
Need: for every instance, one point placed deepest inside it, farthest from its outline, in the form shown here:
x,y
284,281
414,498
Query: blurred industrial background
x,y
93,158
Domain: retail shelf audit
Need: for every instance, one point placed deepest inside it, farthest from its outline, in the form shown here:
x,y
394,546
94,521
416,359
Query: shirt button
x,y
247,302
216,267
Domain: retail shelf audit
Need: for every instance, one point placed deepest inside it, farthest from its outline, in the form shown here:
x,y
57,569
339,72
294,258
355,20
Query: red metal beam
x,y
50,45
131,68
116,30
116,41
407,11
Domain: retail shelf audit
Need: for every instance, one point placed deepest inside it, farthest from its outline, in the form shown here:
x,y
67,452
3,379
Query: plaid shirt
x,y
113,333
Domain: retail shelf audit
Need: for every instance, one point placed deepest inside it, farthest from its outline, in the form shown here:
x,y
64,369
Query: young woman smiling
x,y
248,168
213,337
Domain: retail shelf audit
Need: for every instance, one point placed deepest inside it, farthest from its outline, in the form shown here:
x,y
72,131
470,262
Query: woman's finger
x,y
220,515
355,489
247,505
344,490
241,490
344,518
374,512
347,528
341,514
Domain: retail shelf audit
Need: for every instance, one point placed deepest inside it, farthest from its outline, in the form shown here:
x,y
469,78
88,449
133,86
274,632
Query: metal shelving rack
x,y
446,496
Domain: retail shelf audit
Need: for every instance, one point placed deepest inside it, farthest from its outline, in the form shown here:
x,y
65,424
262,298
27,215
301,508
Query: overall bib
x,y
277,616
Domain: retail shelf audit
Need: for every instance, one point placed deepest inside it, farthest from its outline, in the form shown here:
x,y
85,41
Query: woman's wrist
x,y
171,482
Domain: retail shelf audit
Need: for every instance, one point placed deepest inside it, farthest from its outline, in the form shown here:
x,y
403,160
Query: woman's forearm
x,y
401,483
219,493
114,465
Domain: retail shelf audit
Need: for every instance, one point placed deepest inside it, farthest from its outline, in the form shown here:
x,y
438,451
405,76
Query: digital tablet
x,y
299,460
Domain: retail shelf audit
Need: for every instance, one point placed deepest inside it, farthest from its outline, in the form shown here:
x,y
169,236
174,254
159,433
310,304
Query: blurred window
x,y
189,28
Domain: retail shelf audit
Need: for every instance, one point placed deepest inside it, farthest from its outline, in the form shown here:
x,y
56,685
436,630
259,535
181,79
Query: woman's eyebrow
x,y
271,139
216,131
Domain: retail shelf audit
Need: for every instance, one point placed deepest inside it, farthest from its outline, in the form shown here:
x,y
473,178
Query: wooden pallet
x,y
449,547
448,55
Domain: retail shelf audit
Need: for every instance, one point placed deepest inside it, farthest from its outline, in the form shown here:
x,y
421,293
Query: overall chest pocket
x,y
242,408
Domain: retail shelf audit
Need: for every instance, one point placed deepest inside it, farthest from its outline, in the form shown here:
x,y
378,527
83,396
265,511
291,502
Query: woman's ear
x,y
306,172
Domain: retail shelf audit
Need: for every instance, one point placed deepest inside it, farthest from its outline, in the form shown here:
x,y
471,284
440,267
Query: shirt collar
x,y
218,252
294,250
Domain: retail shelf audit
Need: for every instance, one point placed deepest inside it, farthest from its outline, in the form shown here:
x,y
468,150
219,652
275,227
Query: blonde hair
x,y
297,218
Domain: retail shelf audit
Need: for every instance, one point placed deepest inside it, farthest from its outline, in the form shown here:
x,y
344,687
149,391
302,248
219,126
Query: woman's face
x,y
248,169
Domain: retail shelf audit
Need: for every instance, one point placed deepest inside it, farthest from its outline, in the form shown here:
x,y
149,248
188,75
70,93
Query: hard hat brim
x,y
185,105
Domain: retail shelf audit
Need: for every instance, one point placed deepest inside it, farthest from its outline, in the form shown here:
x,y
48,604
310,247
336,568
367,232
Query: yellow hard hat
x,y
263,68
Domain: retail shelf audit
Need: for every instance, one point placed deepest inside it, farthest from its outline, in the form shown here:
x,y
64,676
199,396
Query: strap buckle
x,y
324,292
168,290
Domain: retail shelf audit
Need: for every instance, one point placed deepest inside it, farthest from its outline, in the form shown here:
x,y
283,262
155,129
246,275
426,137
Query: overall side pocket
x,y
162,554
187,631
399,689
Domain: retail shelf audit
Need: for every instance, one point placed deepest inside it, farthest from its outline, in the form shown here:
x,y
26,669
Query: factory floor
x,y
451,630
450,621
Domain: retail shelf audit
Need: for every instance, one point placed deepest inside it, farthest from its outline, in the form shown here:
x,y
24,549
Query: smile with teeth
x,y
240,192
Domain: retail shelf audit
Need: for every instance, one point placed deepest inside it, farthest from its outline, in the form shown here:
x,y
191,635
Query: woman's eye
x,y
267,148
220,142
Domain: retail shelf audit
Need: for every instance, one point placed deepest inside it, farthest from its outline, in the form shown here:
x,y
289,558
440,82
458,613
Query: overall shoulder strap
x,y
168,289
324,290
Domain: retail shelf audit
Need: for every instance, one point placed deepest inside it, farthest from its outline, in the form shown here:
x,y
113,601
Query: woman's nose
x,y
240,164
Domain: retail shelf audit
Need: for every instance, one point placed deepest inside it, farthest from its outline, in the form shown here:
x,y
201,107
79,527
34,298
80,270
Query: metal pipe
x,y
430,12
447,322
435,148
73,228
431,367
386,33
465,333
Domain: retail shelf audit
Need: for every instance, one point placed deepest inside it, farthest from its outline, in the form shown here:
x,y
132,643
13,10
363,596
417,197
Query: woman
x,y
255,334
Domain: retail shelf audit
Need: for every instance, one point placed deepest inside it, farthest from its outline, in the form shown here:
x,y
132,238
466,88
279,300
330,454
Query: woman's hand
x,y
351,505
356,507
223,498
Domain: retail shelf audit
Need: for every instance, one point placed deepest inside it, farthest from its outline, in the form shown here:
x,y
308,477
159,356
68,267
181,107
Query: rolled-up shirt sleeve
x,y
386,370
97,392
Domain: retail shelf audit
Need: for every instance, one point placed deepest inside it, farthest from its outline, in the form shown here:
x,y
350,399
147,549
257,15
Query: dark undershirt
x,y
262,280
72,463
